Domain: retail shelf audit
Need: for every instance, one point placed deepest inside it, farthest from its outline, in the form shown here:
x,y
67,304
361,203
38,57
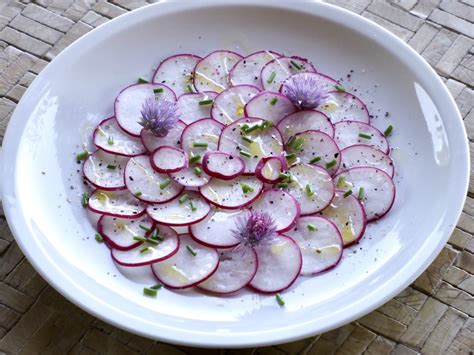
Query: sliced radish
x,y
147,184
109,137
259,143
279,204
193,263
129,103
349,133
248,69
194,107
187,209
116,203
343,106
229,105
232,194
270,106
177,72
275,72
320,243
268,169
172,139
378,189
348,216
192,176
146,254
168,159
234,272
222,165
119,232
279,264
363,155
216,229
212,72
105,171
304,120
201,136
326,83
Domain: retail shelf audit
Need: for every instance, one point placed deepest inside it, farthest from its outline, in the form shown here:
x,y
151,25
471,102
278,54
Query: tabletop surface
x,y
433,315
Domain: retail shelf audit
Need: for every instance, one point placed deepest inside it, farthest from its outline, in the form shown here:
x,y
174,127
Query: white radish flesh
x,y
222,165
342,106
247,70
177,72
229,105
119,232
168,159
105,171
119,203
269,106
201,136
275,72
302,121
194,107
363,155
172,139
192,176
268,169
349,133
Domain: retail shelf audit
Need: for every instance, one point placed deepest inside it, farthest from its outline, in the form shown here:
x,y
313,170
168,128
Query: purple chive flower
x,y
254,229
158,116
304,90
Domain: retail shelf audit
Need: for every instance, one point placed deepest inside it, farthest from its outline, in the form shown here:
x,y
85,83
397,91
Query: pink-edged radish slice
x,y
252,146
193,107
146,254
216,229
187,209
109,137
222,165
129,103
168,159
119,203
349,133
363,155
192,264
172,139
119,232
177,72
279,204
232,194
235,271
275,72
317,148
279,264
324,82
147,184
192,176
270,106
311,186
302,121
320,243
343,106
229,105
212,72
348,216
247,70
105,171
201,136
268,169
378,189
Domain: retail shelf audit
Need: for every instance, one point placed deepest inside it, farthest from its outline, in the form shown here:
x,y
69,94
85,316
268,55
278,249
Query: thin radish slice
x,y
268,169
105,171
116,203
129,103
192,176
234,272
253,146
275,72
172,139
311,186
270,106
222,165
232,194
324,82
193,107
363,155
349,133
279,264
348,216
146,254
343,106
187,209
378,192
304,120
177,72
110,138
147,184
279,204
216,229
201,136
248,69
229,105
119,232
168,159
320,243
212,72
192,264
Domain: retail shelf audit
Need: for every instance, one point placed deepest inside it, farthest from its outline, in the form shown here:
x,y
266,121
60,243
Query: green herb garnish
x,y
99,238
273,101
341,182
194,158
138,193
158,90
164,184
245,154
110,141
347,193
197,171
365,136
296,65
205,102
111,167
331,164
142,81
271,77
308,191
145,228
311,228
361,194
145,250
247,139
193,206
150,291
85,199
183,198
339,88
315,160
191,250
388,131
282,185
189,88
82,155
246,188
280,300
200,145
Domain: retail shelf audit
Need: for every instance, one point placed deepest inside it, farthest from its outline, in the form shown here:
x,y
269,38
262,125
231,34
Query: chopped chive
x,y
191,250
273,101
315,160
85,199
361,193
110,141
82,155
271,77
252,128
291,158
142,81
158,90
145,228
156,236
291,141
339,88
138,193
193,206
246,188
298,143
296,65
388,131
200,145
139,239
205,102
347,193
197,171
284,175
150,292
244,127
308,191
331,164
145,250
165,183
151,241
99,238
247,139
365,136
111,167
341,182
156,287
311,228
282,185
189,88
245,154
195,158
265,124
183,198
280,300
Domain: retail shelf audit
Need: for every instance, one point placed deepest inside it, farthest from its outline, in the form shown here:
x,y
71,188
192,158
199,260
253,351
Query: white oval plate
x,y
77,90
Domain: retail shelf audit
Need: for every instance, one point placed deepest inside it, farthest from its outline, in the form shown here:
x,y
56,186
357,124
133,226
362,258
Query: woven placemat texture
x,y
432,316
